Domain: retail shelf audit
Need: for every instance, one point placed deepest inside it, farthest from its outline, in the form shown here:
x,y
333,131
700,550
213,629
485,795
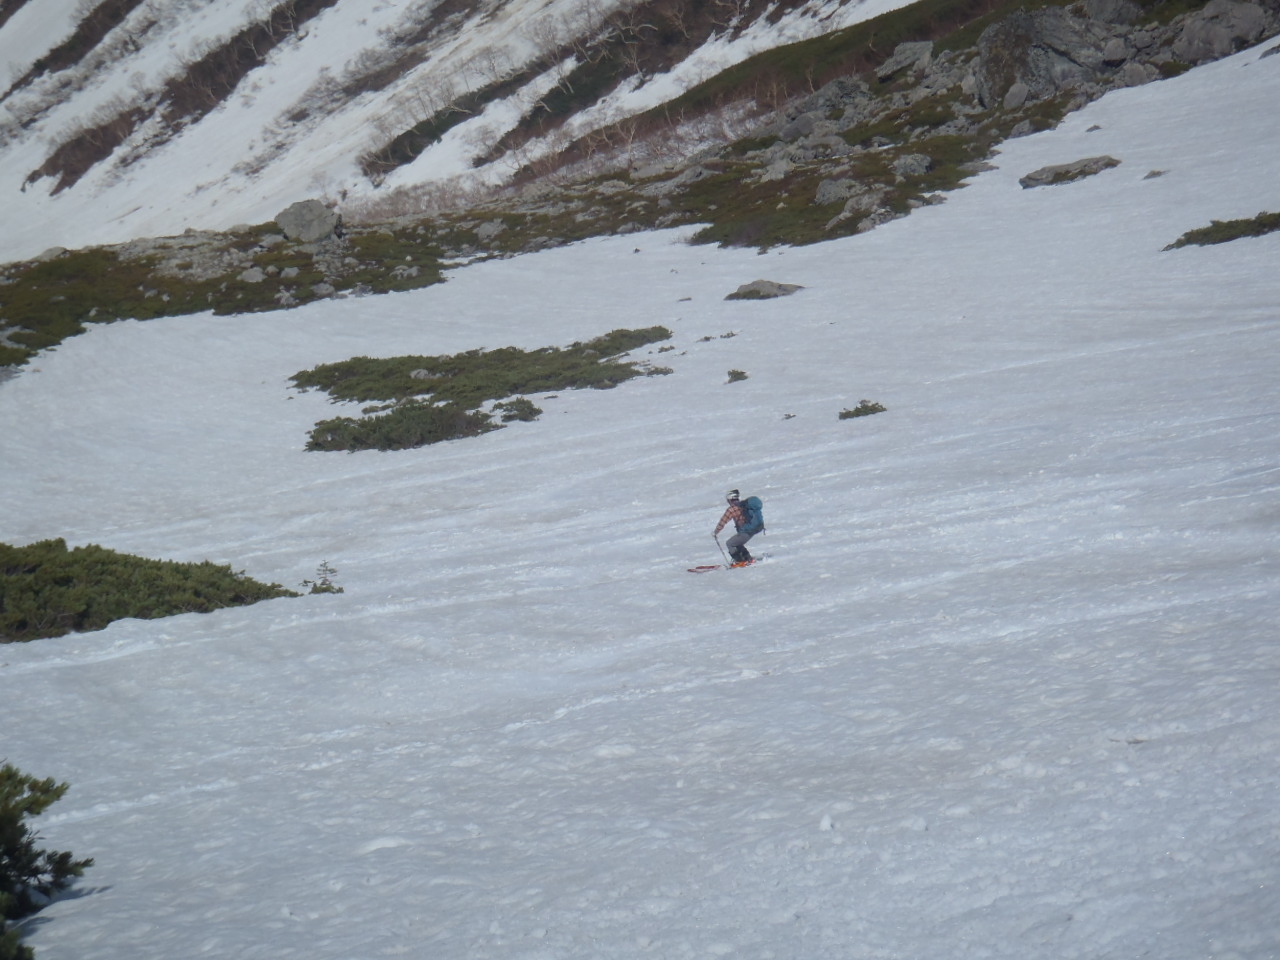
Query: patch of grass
x,y
1163,11
736,375
44,302
1224,231
1172,68
391,261
47,590
751,213
435,398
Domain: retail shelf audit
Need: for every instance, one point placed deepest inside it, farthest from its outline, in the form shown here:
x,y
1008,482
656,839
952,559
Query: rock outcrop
x,y
1067,172
1219,30
763,290
1034,55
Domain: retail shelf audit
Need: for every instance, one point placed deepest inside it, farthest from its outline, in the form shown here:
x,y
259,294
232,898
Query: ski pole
x,y
722,553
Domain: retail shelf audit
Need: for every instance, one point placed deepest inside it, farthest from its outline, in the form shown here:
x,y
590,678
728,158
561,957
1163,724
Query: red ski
x,y
707,568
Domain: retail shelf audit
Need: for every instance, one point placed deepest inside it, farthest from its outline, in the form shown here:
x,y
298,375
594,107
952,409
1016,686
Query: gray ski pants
x,y
738,542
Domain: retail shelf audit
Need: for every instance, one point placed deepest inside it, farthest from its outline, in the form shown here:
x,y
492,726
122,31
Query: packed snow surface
x,y
1006,685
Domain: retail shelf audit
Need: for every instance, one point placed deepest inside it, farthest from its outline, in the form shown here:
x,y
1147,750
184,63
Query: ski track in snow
x,y
1005,688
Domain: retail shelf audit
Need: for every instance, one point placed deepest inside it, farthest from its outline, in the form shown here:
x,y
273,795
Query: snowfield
x,y
1006,686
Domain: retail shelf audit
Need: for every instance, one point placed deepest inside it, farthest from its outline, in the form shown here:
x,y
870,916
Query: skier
x,y
747,521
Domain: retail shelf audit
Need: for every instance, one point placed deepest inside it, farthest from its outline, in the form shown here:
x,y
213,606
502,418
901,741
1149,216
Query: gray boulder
x,y
863,202
912,165
1115,52
308,221
1067,172
763,290
801,126
687,176
1016,95
834,191
906,56
1134,74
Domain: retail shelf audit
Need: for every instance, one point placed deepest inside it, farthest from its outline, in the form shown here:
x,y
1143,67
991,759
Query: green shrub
x,y
324,582
864,409
47,590
403,427
439,398
521,408
10,948
28,876
1223,231
736,375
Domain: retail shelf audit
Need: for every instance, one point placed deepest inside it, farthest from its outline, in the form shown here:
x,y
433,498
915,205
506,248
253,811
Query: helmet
x,y
731,495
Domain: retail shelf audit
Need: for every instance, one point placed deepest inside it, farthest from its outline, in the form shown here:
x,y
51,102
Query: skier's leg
x,y
737,545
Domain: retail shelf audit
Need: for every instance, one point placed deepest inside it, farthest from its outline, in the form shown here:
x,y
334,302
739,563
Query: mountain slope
x,y
1006,686
124,130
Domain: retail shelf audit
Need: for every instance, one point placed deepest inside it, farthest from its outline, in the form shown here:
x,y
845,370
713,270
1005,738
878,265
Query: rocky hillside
x,y
127,118
825,136
124,117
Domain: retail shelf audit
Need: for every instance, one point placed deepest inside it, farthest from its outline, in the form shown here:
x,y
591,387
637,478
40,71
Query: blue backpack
x,y
753,511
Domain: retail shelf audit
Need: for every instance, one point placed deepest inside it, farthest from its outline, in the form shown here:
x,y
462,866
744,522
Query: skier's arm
x,y
731,513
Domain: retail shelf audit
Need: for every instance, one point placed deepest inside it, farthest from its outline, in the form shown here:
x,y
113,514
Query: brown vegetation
x,y
186,98
97,24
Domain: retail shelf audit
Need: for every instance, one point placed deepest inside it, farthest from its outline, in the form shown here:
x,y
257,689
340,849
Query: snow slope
x,y
1005,688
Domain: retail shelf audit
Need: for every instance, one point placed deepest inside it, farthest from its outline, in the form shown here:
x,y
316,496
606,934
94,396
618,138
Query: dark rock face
x,y
1046,51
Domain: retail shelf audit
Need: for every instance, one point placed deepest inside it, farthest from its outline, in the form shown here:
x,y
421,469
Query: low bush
x,y
864,409
324,581
28,876
439,398
403,427
47,590
1223,231
521,408
736,375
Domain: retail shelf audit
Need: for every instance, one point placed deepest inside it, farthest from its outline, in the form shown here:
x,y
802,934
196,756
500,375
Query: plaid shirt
x,y
734,513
